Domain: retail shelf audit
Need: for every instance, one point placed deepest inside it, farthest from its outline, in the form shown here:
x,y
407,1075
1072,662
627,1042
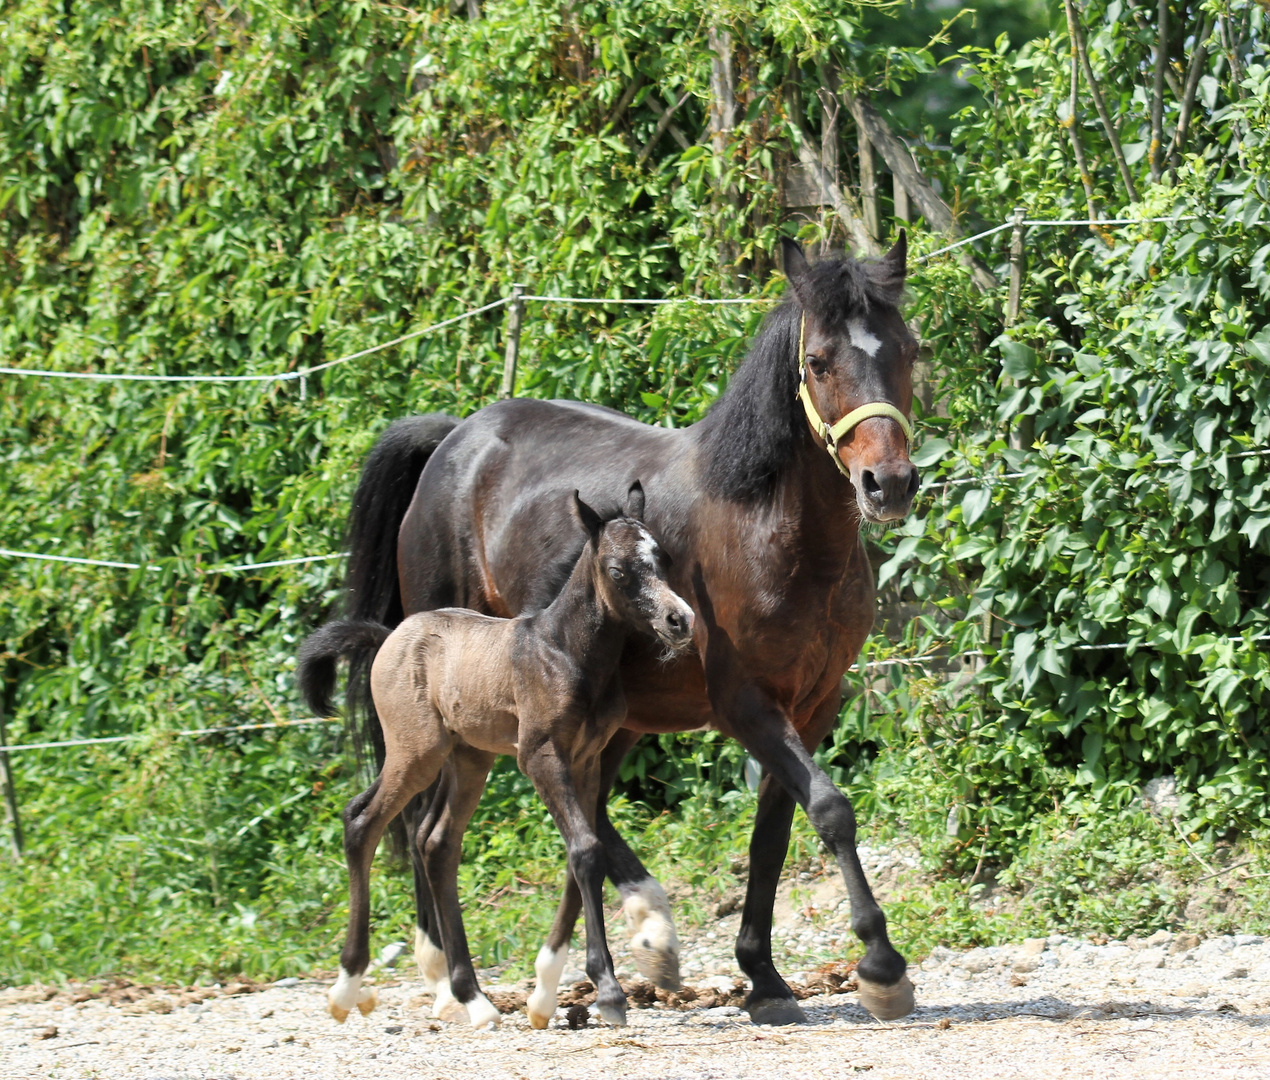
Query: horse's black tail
x,y
383,496
315,671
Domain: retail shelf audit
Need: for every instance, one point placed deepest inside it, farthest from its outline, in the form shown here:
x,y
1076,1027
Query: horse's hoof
x,y
887,1002
338,1011
537,1020
658,967
779,1012
613,1012
482,1014
367,1002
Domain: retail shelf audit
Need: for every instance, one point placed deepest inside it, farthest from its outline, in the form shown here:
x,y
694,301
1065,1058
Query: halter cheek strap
x,y
834,433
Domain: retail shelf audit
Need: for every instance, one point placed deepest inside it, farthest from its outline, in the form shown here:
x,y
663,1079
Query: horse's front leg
x,y
568,797
765,730
654,942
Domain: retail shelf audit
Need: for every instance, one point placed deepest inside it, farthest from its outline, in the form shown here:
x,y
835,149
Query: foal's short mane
x,y
753,431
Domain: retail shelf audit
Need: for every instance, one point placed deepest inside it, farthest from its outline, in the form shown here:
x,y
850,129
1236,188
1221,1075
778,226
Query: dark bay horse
x,y
763,530
450,685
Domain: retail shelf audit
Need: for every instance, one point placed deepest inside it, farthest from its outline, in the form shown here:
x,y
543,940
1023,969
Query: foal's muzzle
x,y
675,627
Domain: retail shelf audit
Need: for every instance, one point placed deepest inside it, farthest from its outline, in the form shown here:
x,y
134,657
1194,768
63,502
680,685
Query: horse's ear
x,y
635,501
587,517
796,265
892,268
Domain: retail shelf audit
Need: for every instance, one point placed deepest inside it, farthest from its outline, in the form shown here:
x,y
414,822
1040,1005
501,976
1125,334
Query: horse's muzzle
x,y
887,490
675,628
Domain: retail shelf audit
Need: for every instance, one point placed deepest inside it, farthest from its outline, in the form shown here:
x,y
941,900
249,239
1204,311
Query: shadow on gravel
x,y
1040,1008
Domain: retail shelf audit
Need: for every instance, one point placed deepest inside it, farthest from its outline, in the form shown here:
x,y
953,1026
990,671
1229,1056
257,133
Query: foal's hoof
x,y
887,1002
338,1011
612,1012
537,1020
367,1002
780,1012
659,967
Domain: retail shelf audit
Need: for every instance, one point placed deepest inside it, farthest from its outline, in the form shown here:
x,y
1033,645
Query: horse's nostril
x,y
871,486
914,478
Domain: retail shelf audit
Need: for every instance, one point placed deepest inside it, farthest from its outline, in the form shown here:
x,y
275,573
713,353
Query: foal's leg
x,y
654,943
566,799
429,953
443,850
766,732
365,819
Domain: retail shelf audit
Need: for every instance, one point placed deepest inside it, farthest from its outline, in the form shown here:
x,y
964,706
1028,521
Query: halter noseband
x,y
832,433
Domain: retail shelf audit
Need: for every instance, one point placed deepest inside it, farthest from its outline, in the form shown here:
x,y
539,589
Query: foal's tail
x,y
315,672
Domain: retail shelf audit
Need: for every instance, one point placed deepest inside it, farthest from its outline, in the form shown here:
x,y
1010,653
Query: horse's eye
x,y
617,574
816,365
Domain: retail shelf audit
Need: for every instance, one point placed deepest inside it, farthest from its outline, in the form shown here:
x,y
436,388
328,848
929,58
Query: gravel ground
x,y
1167,1006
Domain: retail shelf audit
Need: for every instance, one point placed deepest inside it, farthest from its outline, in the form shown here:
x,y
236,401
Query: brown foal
x,y
454,689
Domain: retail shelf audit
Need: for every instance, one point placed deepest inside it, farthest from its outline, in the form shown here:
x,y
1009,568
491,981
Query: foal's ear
x,y
635,501
587,517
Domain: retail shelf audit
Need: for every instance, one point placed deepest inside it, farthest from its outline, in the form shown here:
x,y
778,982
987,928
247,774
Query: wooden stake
x,y
869,186
900,193
1024,431
1157,96
10,793
515,312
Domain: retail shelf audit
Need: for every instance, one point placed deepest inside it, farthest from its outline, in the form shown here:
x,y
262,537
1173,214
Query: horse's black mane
x,y
753,431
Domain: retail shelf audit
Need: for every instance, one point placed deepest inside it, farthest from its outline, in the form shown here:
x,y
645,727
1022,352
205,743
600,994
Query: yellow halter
x,y
833,433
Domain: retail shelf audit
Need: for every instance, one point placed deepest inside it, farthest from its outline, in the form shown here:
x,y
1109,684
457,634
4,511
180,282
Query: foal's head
x,y
857,351
630,572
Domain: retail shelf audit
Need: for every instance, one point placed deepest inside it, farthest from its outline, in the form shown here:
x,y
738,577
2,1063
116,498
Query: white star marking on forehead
x,y
647,548
862,338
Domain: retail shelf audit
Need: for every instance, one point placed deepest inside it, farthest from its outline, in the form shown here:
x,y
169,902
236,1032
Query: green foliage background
x,y
194,188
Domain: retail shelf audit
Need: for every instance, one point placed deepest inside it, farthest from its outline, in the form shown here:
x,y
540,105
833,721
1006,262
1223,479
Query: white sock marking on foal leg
x,y
347,994
653,938
548,967
863,338
430,961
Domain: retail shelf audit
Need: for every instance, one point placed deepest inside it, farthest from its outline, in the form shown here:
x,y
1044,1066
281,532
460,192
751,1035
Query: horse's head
x,y
630,572
857,359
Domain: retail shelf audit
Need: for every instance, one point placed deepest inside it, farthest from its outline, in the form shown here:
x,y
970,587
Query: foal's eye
x,y
816,365
617,574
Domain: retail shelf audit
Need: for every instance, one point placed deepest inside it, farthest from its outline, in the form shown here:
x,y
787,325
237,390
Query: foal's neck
x,y
580,622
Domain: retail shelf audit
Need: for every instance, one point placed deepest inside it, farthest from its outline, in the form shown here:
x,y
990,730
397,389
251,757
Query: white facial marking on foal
x,y
548,966
863,338
648,917
646,546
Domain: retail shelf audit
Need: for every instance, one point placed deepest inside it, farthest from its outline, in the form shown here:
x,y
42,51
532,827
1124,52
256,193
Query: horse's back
x,y
490,527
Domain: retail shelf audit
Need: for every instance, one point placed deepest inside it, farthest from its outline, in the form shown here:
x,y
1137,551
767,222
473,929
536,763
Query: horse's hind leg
x,y
443,849
365,820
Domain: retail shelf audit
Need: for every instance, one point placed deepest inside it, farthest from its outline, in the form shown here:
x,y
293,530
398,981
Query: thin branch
x,y
624,102
1196,68
1074,28
1073,127
1169,77
1157,94
664,124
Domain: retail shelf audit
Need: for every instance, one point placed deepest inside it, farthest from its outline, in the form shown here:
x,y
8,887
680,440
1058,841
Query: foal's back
x,y
445,673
